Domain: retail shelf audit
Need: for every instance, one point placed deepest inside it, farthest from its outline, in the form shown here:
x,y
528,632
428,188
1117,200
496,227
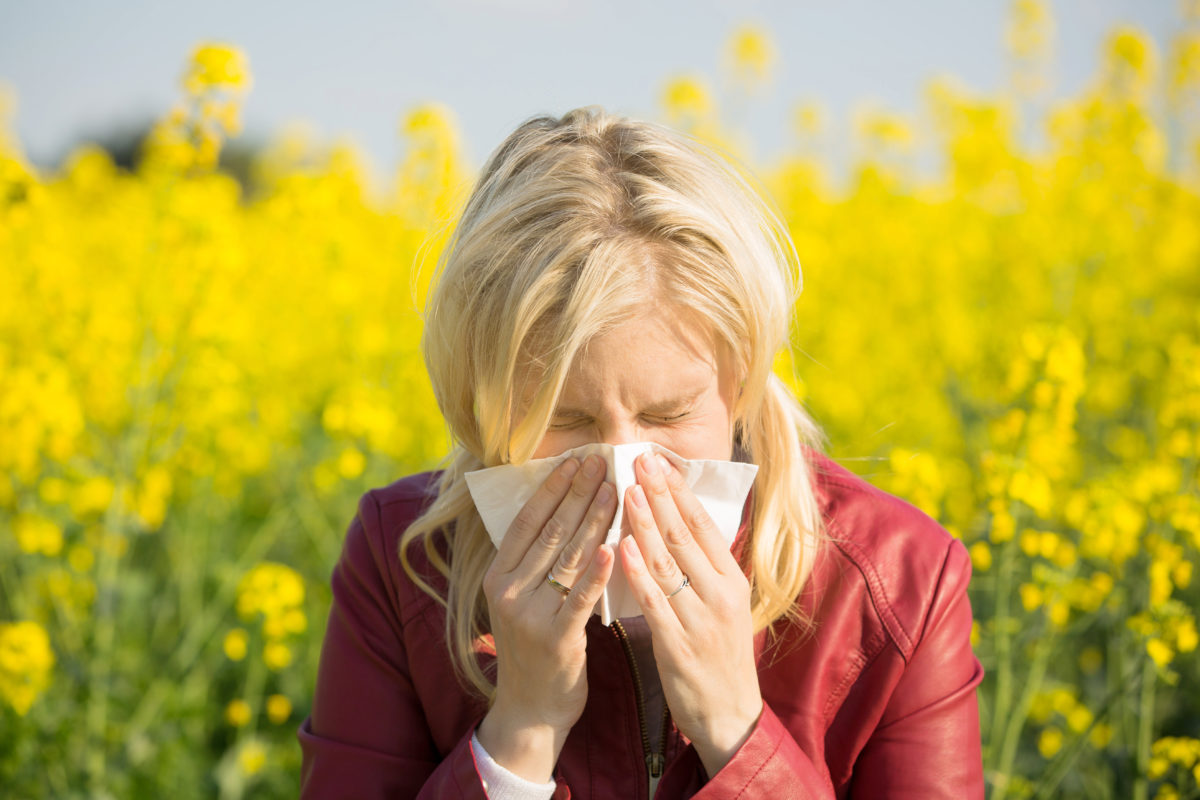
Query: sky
x,y
83,69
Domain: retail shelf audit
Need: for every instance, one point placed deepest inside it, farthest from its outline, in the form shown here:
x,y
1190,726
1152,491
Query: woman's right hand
x,y
541,675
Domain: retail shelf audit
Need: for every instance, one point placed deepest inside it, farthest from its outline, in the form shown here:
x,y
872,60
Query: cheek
x,y
555,442
710,438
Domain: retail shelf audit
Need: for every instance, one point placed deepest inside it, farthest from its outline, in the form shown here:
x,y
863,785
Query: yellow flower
x,y
275,593
216,66
237,713
235,644
279,708
808,119
1029,28
1031,596
350,463
1031,542
37,534
981,556
1079,719
1186,637
1129,58
92,496
277,656
26,660
1101,735
80,557
1003,526
252,757
1059,613
751,54
1160,652
1050,741
687,98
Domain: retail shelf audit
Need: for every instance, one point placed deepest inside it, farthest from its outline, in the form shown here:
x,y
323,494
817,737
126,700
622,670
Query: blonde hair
x,y
568,223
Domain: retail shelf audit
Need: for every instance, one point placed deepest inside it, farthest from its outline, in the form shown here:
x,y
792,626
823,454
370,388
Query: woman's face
x,y
654,378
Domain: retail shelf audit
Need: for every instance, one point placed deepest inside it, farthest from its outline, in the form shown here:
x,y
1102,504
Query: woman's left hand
x,y
703,635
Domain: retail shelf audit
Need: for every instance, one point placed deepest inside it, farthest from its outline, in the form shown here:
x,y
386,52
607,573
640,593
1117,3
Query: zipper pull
x,y
655,763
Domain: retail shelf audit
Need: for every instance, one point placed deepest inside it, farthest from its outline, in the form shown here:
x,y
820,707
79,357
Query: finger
x,y
563,524
660,564
659,613
697,533
575,555
577,606
533,515
653,473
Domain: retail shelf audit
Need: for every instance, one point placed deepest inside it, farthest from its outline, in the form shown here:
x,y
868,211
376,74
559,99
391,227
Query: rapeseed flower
x,y
26,661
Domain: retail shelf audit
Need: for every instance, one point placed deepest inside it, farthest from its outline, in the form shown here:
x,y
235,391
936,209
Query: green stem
x,y
1141,786
1062,765
96,720
1016,721
201,631
256,679
1003,633
107,571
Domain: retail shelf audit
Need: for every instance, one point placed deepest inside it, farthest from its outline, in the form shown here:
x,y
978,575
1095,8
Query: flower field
x,y
199,376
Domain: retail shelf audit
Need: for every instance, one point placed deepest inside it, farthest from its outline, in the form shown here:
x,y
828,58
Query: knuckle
x,y
663,564
557,483
698,520
526,519
678,535
579,488
580,601
553,532
659,488
570,557
652,601
674,479
595,517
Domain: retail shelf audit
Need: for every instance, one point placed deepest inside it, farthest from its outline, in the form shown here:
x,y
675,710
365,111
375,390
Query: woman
x,y
612,281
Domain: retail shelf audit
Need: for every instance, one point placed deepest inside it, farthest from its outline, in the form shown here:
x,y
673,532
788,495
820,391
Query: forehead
x,y
653,354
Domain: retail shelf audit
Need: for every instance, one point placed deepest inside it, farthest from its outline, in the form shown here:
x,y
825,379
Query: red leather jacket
x,y
877,702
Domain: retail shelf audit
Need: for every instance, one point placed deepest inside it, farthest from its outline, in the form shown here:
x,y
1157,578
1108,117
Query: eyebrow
x,y
670,404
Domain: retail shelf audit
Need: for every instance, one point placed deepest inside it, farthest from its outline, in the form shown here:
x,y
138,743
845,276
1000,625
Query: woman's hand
x,y
703,635
541,677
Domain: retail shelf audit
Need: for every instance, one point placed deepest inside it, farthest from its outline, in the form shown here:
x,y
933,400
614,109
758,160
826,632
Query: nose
x,y
620,432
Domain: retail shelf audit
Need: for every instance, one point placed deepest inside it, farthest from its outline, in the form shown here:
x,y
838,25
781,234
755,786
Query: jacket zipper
x,y
655,760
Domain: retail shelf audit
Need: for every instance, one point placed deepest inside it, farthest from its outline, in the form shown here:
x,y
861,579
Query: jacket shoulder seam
x,y
412,602
875,587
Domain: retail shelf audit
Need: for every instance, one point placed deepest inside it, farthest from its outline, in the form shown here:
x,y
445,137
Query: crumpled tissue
x,y
720,486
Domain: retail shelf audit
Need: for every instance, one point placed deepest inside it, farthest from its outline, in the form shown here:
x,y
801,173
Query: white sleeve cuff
x,y
500,784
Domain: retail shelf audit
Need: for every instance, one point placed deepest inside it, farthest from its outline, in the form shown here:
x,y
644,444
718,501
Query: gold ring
x,y
561,588
680,587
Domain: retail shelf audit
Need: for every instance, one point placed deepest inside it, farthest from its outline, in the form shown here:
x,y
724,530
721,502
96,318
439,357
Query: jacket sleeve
x,y
367,736
926,745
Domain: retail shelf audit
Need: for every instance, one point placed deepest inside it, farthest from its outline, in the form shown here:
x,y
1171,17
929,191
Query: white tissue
x,y
720,486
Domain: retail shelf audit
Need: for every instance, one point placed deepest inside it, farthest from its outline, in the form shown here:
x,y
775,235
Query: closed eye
x,y
567,424
661,420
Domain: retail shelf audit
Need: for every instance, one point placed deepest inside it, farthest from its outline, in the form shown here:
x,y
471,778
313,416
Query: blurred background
x,y
218,223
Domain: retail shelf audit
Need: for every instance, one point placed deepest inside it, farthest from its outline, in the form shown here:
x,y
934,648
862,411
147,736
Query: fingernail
x,y
630,545
650,464
592,466
569,467
639,497
605,493
663,464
